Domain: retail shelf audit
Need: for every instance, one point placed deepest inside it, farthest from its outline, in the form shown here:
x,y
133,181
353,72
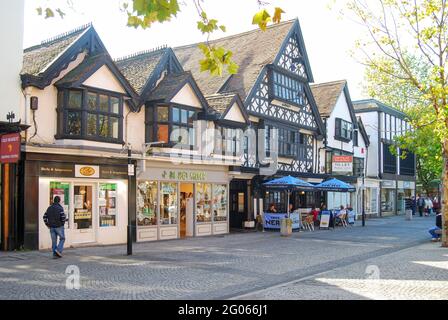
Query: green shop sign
x,y
184,175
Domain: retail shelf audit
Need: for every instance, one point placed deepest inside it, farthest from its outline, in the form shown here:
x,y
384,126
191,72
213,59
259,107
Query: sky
x,y
329,38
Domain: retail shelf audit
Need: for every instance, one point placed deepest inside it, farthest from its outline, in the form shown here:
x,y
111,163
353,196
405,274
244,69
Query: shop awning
x,y
335,185
289,183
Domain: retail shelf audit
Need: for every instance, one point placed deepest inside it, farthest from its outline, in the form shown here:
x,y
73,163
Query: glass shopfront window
x,y
168,205
107,202
147,203
203,202
219,202
62,190
83,218
388,201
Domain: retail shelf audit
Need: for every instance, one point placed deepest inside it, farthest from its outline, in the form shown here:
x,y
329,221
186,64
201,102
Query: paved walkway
x,y
324,264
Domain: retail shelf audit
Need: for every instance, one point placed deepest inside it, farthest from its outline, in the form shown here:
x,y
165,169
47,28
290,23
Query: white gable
x,y
235,114
103,78
188,97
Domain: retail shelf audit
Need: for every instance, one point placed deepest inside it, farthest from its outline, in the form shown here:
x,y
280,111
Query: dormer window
x,y
170,125
90,115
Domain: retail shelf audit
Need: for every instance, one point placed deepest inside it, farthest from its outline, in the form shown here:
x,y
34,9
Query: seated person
x,y
272,208
315,213
438,227
341,214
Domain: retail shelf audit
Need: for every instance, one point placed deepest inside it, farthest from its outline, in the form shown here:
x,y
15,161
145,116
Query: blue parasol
x,y
335,185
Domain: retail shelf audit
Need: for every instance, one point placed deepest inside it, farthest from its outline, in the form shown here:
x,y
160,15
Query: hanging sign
x,y
10,148
342,164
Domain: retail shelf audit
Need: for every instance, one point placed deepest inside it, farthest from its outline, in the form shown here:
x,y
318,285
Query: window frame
x,y
340,126
152,122
282,86
63,110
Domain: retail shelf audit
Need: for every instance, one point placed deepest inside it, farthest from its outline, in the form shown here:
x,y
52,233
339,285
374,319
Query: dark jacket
x,y
55,216
439,221
421,202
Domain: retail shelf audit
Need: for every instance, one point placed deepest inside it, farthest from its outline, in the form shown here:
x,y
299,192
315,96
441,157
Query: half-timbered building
x,y
274,84
343,153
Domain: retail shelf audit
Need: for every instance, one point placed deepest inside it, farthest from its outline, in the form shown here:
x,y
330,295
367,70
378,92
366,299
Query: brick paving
x,y
319,265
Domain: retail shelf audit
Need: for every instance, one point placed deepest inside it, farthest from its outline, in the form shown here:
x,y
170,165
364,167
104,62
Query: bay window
x,y
170,125
90,115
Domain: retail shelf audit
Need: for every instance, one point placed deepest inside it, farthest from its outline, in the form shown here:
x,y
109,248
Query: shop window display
x,y
219,202
62,190
83,218
168,205
107,202
147,204
203,202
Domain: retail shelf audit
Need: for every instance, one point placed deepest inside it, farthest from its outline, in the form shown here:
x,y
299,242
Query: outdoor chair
x,y
309,223
342,220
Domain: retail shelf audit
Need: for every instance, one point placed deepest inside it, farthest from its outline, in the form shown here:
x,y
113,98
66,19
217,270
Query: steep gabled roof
x,y
139,67
37,58
326,95
222,103
43,63
77,76
171,84
363,132
252,51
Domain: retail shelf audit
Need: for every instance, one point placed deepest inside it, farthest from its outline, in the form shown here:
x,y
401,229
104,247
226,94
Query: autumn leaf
x,y
277,15
262,19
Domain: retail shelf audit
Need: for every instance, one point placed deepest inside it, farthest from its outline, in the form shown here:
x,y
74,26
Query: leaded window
x,y
90,115
168,124
287,88
228,140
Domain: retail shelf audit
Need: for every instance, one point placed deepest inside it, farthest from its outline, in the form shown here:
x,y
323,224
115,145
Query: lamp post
x,y
130,173
363,202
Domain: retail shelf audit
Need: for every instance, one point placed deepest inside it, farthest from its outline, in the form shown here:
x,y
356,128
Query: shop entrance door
x,y
84,221
238,204
186,209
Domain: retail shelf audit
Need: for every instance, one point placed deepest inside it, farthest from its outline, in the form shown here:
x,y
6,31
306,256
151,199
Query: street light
x,y
363,202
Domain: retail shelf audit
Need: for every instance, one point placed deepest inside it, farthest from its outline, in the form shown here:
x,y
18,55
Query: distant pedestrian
x,y
413,205
54,219
420,205
428,206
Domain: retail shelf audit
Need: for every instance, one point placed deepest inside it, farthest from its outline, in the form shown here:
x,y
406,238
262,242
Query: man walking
x,y
54,219
420,205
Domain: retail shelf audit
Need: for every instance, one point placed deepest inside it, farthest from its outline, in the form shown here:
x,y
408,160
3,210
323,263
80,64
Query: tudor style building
x,y
393,175
343,153
274,84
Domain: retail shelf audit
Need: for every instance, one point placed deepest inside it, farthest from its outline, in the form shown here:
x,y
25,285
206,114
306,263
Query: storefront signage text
x,y
342,164
272,221
67,170
10,148
87,171
184,175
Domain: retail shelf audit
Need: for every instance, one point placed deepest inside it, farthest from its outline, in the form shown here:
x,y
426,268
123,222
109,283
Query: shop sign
x,y
325,219
111,172
56,169
82,171
184,175
342,164
10,148
272,221
388,184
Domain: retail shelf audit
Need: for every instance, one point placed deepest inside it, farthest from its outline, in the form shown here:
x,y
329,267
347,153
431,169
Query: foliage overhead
x,y
144,13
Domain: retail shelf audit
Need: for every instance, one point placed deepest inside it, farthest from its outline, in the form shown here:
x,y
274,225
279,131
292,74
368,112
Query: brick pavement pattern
x,y
339,264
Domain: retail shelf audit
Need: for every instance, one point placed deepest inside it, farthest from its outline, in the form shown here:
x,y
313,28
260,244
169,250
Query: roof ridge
x,y
239,34
328,83
59,37
141,53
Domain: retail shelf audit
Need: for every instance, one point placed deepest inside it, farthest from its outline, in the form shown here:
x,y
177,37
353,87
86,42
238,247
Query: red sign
x,y
10,148
342,158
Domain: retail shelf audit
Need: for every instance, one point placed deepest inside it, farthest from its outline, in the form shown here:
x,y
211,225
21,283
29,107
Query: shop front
x,y
181,203
94,197
405,192
371,194
388,197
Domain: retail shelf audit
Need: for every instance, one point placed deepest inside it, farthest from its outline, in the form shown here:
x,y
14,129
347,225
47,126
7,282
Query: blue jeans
x,y
55,233
433,233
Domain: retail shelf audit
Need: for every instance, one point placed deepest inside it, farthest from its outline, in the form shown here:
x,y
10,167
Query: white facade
x,y
11,56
